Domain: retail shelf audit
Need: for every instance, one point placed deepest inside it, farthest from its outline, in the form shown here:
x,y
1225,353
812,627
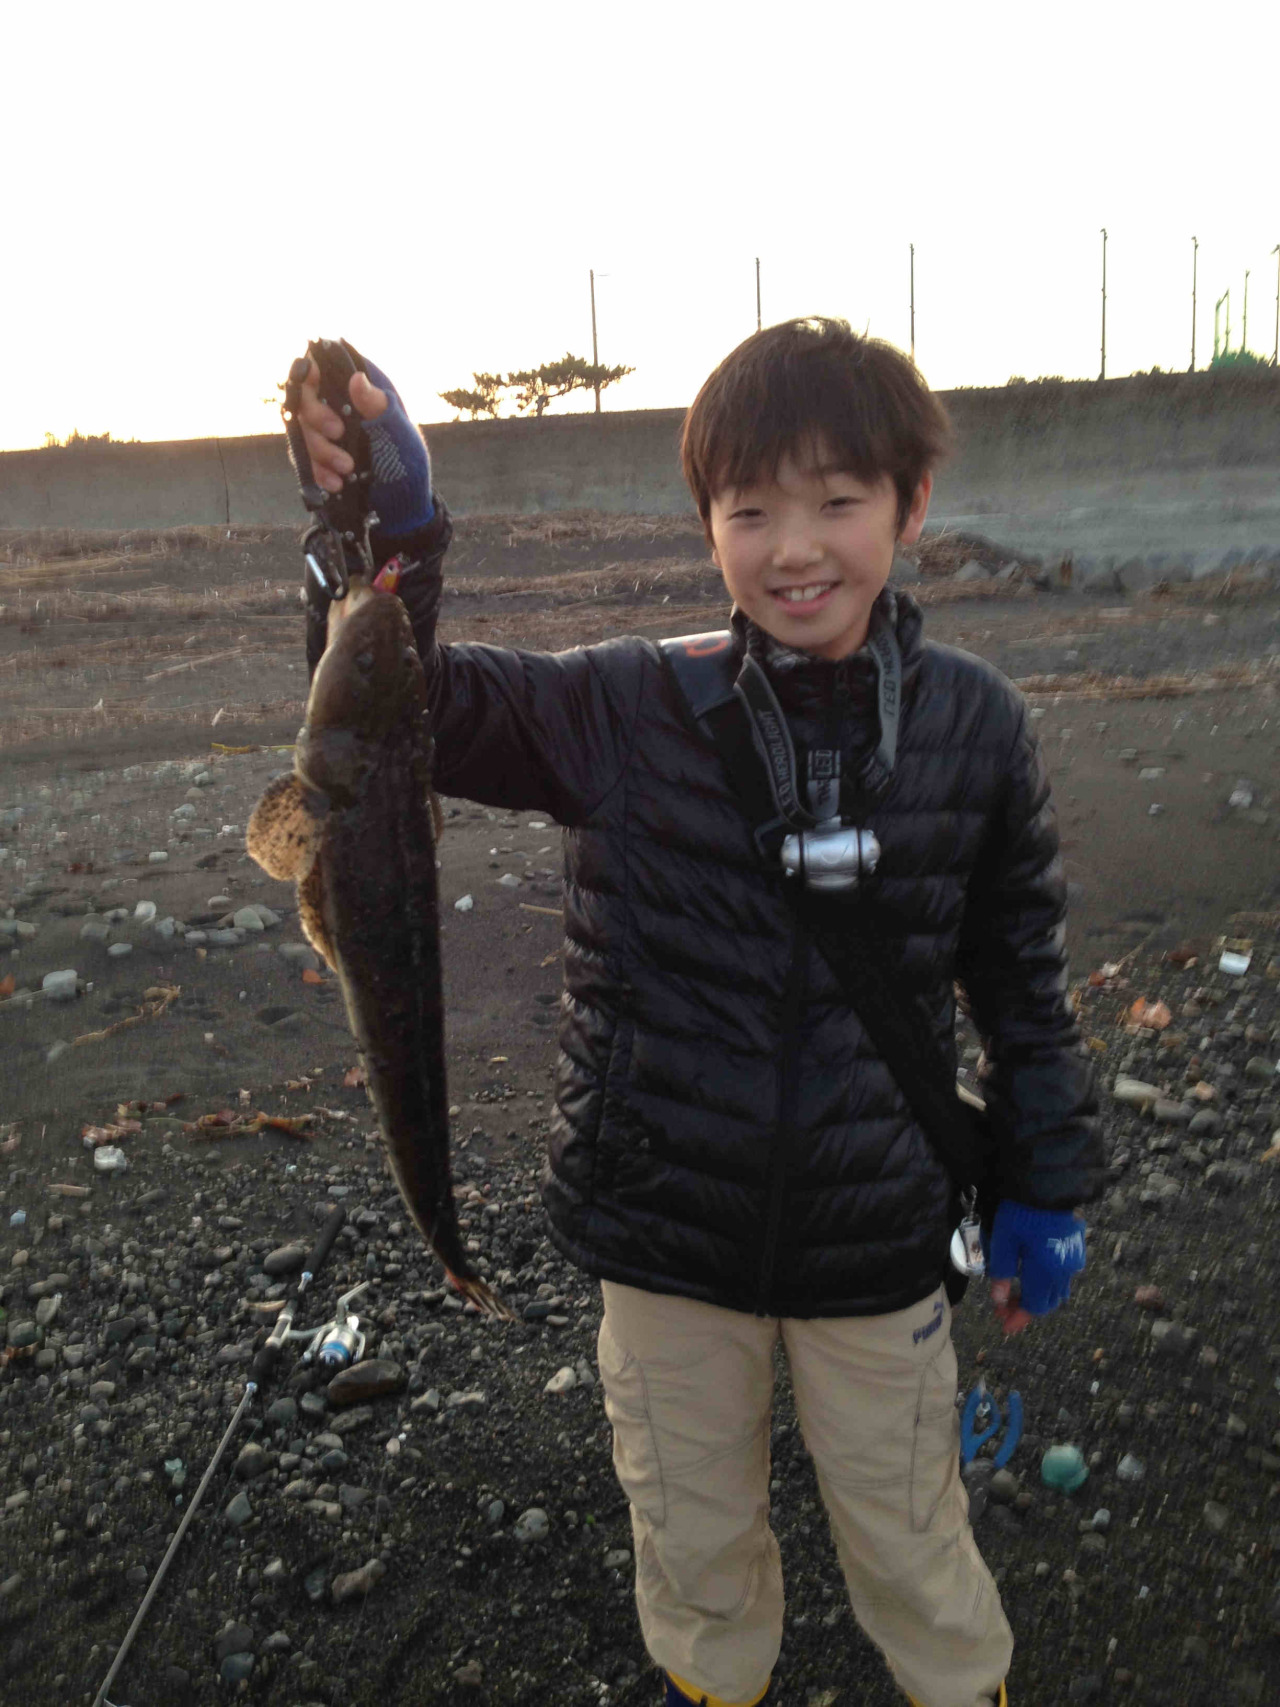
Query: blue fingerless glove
x,y
400,493
1041,1247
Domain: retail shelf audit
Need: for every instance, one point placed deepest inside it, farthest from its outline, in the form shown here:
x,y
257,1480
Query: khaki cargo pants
x,y
688,1391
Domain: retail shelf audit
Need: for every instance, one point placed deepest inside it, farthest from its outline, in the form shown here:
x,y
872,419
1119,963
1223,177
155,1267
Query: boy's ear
x,y
914,524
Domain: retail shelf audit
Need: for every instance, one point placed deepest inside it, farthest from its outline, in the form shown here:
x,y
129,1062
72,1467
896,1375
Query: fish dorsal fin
x,y
284,831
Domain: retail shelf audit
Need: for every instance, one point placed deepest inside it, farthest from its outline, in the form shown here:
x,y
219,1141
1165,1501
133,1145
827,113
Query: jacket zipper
x,y
784,1127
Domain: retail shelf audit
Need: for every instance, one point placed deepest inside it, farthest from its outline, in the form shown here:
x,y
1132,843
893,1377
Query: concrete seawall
x,y
1161,463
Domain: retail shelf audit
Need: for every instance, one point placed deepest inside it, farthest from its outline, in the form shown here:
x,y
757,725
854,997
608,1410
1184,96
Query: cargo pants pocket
x,y
635,1450
935,1440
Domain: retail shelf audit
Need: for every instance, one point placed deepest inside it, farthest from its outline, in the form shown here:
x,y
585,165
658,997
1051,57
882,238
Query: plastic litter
x,y
982,1421
108,1159
1064,1468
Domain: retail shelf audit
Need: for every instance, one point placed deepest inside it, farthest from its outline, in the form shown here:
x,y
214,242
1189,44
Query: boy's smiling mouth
x,y
806,594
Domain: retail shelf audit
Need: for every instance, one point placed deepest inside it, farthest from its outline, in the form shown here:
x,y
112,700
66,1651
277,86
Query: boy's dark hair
x,y
784,390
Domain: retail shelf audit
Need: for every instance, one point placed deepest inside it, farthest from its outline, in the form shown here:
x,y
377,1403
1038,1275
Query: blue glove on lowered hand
x,y
401,490
1042,1248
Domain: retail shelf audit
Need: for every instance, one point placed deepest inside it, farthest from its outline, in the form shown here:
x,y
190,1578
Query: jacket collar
x,y
808,684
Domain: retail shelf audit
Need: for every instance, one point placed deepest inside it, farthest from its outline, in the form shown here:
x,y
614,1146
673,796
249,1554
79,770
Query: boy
x,y
730,1155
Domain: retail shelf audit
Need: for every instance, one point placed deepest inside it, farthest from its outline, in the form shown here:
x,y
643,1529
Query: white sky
x,y
191,192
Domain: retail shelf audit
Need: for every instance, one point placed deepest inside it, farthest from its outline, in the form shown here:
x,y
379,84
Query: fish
x,y
355,825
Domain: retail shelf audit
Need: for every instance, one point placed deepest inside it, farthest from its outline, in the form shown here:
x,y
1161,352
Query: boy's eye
x,y
747,512
844,501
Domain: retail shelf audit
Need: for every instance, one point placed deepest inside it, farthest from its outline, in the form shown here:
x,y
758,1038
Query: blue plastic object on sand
x,y
981,1421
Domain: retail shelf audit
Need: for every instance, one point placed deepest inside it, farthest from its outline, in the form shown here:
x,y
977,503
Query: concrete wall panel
x,y
1156,463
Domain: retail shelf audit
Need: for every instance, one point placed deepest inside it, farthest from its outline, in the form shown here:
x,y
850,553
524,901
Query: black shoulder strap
x,y
855,951
705,670
703,667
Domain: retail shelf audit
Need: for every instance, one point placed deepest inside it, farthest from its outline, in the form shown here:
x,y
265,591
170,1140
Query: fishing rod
x,y
263,1365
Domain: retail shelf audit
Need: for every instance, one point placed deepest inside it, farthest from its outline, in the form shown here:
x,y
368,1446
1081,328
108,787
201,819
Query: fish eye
x,y
364,662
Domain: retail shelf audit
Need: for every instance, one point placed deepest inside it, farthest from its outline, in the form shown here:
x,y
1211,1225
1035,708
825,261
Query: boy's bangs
x,y
815,426
816,393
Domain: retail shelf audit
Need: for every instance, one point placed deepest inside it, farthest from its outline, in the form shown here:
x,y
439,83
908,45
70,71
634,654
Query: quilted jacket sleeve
x,y
543,731
1041,1092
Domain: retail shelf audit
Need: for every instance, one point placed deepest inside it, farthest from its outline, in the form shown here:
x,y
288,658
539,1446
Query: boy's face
x,y
806,556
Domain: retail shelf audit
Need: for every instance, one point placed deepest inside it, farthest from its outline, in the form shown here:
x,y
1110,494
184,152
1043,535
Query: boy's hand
x,y
400,492
1040,1248
321,425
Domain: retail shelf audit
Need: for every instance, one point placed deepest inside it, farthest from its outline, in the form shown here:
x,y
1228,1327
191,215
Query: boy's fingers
x,y
369,399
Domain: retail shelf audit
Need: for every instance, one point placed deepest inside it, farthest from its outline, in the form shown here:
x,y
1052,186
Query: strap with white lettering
x,y
824,784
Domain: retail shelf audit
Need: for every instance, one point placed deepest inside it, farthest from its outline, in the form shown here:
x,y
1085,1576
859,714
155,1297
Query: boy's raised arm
x,y
514,729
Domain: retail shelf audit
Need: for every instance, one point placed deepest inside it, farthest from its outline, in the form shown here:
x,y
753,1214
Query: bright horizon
x,y
174,238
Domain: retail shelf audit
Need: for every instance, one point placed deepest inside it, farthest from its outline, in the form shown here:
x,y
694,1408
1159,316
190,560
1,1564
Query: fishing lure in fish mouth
x,y
336,547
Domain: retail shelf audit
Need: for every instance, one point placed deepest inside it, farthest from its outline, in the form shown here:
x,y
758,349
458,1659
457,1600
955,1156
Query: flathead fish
x,y
353,827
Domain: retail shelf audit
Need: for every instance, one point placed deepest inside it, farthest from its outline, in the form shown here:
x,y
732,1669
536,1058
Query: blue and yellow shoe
x,y
683,1694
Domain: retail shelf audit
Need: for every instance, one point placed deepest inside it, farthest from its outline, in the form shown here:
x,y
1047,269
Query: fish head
x,y
366,683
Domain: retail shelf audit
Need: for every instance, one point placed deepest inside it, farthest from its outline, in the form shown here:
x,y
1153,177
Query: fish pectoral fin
x,y
285,829
311,915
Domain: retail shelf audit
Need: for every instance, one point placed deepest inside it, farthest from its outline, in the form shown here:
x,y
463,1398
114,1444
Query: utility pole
x,y
757,293
913,302
1275,354
1103,373
1195,256
1226,348
595,352
1244,327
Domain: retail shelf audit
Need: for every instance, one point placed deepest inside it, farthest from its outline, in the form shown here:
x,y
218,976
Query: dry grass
x,y
1093,684
70,723
576,526
75,604
28,547
942,553
955,592
609,581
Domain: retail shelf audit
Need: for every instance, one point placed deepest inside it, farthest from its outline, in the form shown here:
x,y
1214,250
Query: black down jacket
x,y
700,1145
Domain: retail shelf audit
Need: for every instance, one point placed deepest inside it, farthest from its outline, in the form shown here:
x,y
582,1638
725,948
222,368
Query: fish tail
x,y
477,1292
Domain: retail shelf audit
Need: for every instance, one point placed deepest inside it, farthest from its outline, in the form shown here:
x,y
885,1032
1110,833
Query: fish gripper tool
x,y
336,546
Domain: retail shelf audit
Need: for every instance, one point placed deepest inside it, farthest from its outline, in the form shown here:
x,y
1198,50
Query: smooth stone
x,y
353,1584
233,1639
1136,1093
285,1259
368,1380
346,1422
532,1525
238,1511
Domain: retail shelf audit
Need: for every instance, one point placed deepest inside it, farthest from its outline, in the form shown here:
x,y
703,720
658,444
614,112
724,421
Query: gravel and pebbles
x,y
449,1528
